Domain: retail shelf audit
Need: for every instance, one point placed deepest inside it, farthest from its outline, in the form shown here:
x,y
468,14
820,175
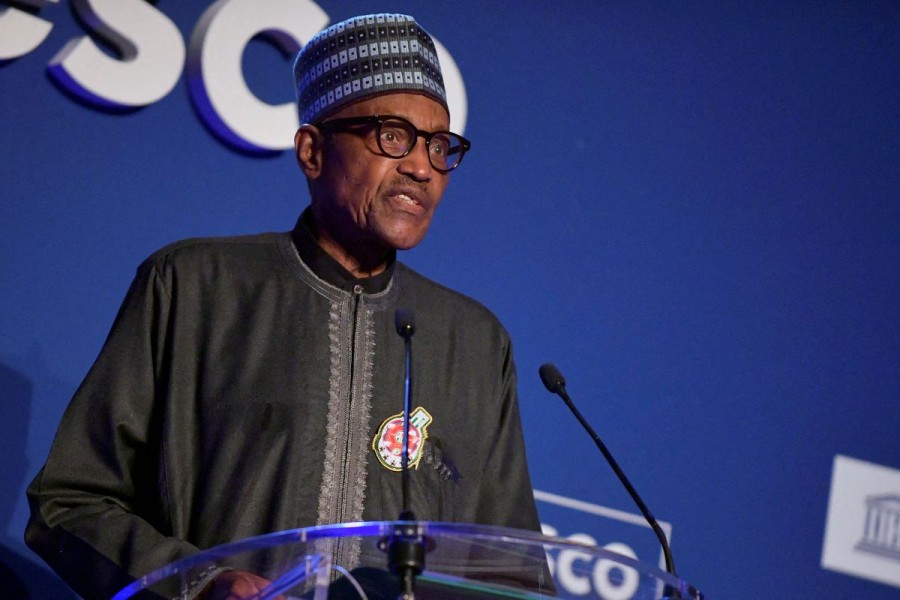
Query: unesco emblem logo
x,y
882,527
862,529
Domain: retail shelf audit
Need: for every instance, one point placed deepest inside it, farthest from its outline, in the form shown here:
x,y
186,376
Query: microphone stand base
x,y
406,557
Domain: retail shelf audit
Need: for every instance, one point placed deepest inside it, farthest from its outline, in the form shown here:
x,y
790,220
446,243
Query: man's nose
x,y
416,164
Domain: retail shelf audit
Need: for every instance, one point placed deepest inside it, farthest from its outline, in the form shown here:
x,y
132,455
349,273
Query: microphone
x,y
556,384
405,323
552,378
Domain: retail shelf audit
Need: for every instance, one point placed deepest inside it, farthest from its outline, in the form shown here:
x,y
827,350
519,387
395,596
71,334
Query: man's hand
x,y
235,585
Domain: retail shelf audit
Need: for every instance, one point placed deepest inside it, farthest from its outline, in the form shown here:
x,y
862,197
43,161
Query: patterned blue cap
x,y
363,57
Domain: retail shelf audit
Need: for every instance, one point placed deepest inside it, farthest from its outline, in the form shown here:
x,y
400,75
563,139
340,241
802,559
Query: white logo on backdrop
x,y
881,534
153,55
862,531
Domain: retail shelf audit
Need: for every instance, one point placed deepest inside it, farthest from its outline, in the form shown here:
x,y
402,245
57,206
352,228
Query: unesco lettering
x,y
153,54
575,572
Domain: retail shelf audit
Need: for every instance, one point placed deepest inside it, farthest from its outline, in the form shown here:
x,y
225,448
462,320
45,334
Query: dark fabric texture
x,y
232,395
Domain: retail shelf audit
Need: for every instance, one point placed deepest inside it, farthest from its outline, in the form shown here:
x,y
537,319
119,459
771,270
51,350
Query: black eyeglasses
x,y
397,137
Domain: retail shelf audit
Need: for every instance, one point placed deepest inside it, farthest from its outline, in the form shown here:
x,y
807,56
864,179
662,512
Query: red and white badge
x,y
388,442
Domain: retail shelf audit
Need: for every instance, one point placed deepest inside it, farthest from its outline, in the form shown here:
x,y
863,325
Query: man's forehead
x,y
422,111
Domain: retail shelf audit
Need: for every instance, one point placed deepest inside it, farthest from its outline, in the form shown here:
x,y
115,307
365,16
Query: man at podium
x,y
255,384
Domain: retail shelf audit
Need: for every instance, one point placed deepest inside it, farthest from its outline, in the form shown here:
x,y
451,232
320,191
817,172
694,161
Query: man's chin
x,y
406,245
404,240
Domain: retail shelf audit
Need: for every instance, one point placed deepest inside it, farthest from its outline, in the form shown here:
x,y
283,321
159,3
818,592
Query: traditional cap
x,y
363,57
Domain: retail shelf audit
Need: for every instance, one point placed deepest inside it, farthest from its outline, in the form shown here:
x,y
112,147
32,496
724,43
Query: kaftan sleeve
x,y
98,507
507,498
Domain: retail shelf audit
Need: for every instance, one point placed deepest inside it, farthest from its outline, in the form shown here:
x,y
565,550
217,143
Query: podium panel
x,y
461,561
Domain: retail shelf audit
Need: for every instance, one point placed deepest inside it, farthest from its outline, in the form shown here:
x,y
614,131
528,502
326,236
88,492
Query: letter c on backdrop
x,y
216,79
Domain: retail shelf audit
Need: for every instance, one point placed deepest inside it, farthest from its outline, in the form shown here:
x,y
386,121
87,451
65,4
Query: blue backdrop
x,y
692,208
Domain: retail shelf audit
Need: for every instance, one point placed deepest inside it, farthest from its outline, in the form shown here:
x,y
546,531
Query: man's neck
x,y
359,263
359,259
328,269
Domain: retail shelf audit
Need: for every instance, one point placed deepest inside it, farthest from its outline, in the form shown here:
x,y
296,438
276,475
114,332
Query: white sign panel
x,y
862,531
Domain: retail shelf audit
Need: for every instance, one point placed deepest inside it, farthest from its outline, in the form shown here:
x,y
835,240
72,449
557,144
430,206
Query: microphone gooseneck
x,y
406,327
556,384
406,546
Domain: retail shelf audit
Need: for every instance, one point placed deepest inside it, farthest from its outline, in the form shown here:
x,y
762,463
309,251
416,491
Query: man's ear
x,y
309,147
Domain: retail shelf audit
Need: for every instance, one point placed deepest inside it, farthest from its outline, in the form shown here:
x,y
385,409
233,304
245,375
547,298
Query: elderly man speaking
x,y
252,384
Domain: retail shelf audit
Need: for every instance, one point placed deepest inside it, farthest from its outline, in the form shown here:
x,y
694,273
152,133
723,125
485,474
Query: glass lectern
x,y
461,561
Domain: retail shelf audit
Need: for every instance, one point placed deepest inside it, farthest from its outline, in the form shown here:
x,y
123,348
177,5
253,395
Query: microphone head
x,y
405,322
552,378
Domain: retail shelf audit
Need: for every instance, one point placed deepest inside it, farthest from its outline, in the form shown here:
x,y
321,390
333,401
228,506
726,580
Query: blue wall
x,y
692,208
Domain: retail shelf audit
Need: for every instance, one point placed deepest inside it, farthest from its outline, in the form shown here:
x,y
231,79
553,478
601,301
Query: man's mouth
x,y
407,198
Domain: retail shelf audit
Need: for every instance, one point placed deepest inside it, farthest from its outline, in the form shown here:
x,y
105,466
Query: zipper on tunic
x,y
346,486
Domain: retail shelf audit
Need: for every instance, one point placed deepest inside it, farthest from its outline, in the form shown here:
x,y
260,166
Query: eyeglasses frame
x,y
378,121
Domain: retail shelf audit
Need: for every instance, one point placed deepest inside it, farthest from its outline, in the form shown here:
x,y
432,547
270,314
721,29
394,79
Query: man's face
x,y
364,200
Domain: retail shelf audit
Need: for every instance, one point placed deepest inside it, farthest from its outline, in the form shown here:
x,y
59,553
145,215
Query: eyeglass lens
x,y
396,137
